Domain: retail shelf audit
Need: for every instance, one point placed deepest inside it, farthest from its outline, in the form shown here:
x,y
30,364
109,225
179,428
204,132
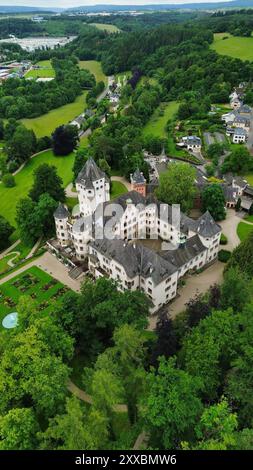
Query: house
x,y
235,103
240,135
109,236
229,117
78,121
192,142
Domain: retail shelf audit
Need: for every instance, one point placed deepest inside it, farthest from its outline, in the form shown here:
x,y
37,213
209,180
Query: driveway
x,y
250,135
229,228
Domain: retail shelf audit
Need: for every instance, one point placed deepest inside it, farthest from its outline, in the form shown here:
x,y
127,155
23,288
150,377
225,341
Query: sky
x,y
76,3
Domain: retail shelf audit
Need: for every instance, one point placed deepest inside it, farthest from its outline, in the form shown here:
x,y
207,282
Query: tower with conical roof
x,y
61,217
93,188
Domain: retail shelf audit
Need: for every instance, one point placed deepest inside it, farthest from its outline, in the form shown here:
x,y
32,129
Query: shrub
x,y
223,239
9,180
224,256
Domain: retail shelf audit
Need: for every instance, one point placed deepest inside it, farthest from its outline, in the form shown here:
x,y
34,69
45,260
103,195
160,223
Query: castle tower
x,y
138,182
93,188
61,217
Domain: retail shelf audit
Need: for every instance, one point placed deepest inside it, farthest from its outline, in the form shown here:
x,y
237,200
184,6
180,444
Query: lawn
x,y
24,180
30,282
94,67
117,189
110,28
22,249
249,218
243,230
46,124
249,178
237,47
46,72
157,123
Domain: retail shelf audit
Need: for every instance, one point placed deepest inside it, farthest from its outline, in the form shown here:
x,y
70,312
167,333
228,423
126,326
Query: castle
x,y
110,236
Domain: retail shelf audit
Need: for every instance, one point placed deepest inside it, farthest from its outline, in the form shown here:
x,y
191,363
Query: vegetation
x,y
236,47
213,200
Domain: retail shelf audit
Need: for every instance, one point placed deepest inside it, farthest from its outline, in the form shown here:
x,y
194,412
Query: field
x,y
94,67
110,28
157,123
30,282
46,124
237,47
249,178
243,230
46,72
10,196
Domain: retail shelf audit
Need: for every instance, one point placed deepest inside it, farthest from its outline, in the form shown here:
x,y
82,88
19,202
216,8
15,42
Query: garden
x,y
42,288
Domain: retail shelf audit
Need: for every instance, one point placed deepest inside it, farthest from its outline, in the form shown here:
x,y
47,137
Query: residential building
x,y
239,135
138,182
192,142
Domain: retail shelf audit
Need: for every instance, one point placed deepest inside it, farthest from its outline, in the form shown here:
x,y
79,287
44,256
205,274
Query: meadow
x,y
46,72
243,230
10,196
237,47
47,123
110,28
94,67
156,126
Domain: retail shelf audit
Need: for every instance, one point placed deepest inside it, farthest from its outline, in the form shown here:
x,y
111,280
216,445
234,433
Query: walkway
x,y
69,192
10,249
229,228
122,180
88,399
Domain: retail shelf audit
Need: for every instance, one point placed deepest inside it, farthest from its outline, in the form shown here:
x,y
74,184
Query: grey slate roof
x,y
244,109
90,173
205,226
192,248
138,177
240,131
61,212
136,259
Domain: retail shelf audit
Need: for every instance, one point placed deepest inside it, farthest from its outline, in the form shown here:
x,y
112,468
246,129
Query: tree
x,y
215,151
8,180
171,405
177,186
238,161
21,145
5,232
76,429
197,309
208,349
242,257
166,342
46,180
65,140
81,156
216,429
18,430
213,200
235,290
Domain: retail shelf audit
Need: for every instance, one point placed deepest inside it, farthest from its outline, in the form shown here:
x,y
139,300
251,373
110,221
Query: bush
x,y
223,239
9,180
224,256
13,166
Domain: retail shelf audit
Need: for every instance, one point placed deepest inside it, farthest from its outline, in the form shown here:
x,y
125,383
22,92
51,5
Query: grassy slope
x,y
118,188
237,47
156,125
243,230
10,196
249,178
94,67
46,124
111,28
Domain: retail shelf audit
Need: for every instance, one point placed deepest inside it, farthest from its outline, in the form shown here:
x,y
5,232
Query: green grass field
x,y
243,230
118,188
47,123
157,123
24,180
237,47
249,178
46,72
8,290
110,28
94,67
